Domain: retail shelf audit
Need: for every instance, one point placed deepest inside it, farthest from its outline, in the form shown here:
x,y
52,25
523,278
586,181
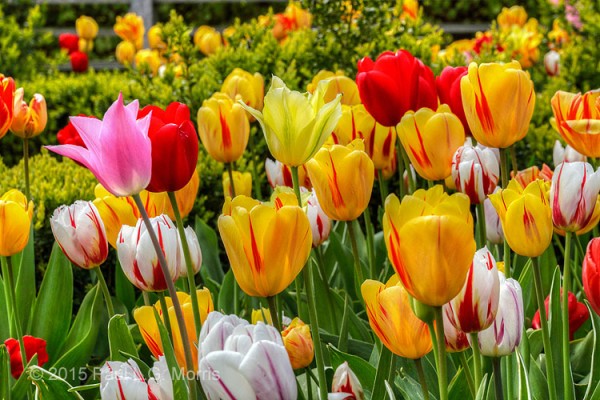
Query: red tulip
x,y
79,61
394,84
33,346
591,274
448,90
69,42
69,135
578,314
7,95
174,147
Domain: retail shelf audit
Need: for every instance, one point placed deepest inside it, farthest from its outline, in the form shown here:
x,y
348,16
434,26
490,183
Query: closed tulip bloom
x,y
526,217
577,119
504,335
118,149
279,174
68,42
208,40
244,86
430,139
578,314
513,16
195,252
223,127
498,100
33,346
320,223
249,232
29,120
125,52
296,125
242,182
130,28
476,305
87,27
79,231
299,344
392,319
493,225
345,384
123,380
148,61
552,63
138,257
429,239
573,195
7,93
591,274
456,340
338,84
215,331
15,222
155,38
566,154
448,90
79,61
531,174
394,84
475,171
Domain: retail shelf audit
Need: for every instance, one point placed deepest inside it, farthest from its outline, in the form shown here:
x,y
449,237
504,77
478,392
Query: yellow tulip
x,y
130,28
357,123
155,40
87,27
244,86
299,344
526,217
514,16
431,138
577,119
146,321
392,319
263,315
296,125
125,53
264,262
342,177
28,120
148,61
208,40
242,182
498,100
85,45
186,197
339,84
15,222
429,239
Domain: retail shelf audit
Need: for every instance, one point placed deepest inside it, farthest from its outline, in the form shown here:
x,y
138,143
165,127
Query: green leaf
x,y
364,371
523,381
410,388
458,388
53,307
124,289
119,338
225,300
358,327
355,347
211,264
22,385
482,393
594,376
4,373
526,282
24,273
50,386
538,382
4,321
180,389
345,262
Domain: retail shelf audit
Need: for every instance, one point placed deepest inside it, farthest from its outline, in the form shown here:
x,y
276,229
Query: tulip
x,y
392,319
215,331
320,224
249,232
566,154
431,138
456,340
573,194
148,61
79,61
578,314
33,346
28,120
531,174
394,84
85,46
338,84
526,217
208,40
242,182
161,384
410,10
504,335
475,171
296,125
591,274
552,63
87,27
279,174
498,101
79,231
125,52
174,147
223,127
448,90
118,149
186,197
244,86
476,305
300,17
15,222
263,315
298,343
513,16
493,225
123,380
195,253
429,239
577,119
138,257
155,38
131,29
346,382
7,92
68,42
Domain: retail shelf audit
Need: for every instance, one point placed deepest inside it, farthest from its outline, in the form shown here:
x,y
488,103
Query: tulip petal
x,y
222,378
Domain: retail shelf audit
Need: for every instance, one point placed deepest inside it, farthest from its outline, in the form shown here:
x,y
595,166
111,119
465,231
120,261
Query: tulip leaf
x,y
4,373
211,264
526,282
536,342
458,388
345,262
22,385
594,380
538,382
180,389
48,385
124,289
225,301
24,273
524,391
4,316
53,307
357,327
119,338
411,389
390,391
323,301
364,371
484,388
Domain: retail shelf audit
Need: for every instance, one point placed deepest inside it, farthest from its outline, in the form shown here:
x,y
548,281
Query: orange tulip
x,y
577,119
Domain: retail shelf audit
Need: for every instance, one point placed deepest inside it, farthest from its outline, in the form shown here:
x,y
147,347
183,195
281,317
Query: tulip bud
x,y
155,38
208,40
147,61
79,231
79,61
125,53
122,380
87,27
591,274
68,42
28,120
244,86
345,381
15,222
33,346
279,174
456,340
528,175
493,225
131,29
320,224
195,253
566,154
242,182
552,63
298,343
476,171
578,314
7,92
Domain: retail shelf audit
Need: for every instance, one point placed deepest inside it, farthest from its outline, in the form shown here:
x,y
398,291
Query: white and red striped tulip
x,y
195,253
123,381
567,154
456,340
475,171
161,384
320,224
493,225
552,63
345,384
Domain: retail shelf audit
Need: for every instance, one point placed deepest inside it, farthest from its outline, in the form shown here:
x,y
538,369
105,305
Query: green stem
x,y
382,187
231,183
434,343
383,370
274,313
441,341
308,385
537,276
146,299
467,373
566,359
411,183
165,313
104,288
513,158
481,224
509,373
370,243
26,168
188,262
476,360
9,281
497,378
401,166
172,292
359,277
504,177
422,380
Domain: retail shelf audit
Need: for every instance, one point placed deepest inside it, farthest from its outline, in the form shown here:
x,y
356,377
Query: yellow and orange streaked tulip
x,y
577,119
28,120
208,40
526,217
263,261
242,182
87,27
533,173
15,222
429,238
410,9
125,52
339,84
498,100
130,28
392,319
357,123
148,61
244,86
186,197
223,127
155,38
298,343
299,17
513,16
146,321
342,177
7,93
431,138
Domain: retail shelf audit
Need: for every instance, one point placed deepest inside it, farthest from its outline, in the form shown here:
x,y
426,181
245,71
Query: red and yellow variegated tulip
x,y
528,175
130,28
338,84
591,274
7,93
298,343
577,119
28,120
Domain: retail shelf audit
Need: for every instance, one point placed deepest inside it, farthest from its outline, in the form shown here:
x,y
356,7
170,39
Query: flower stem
x,y
476,360
165,313
382,186
308,385
105,292
9,281
513,158
567,380
497,378
504,176
411,183
537,276
467,373
401,166
231,183
481,224
441,343
188,262
26,168
359,278
172,292
274,313
422,380
370,243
